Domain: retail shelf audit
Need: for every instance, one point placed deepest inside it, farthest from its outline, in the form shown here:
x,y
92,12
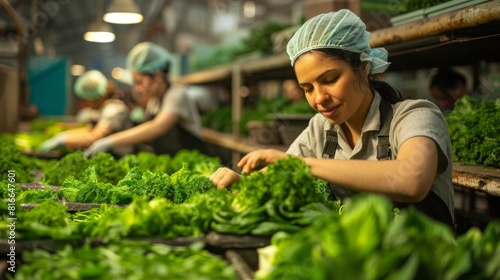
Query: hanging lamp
x,y
99,31
123,12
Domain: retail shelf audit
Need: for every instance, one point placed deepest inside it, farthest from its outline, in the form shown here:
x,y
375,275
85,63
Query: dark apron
x,y
176,139
432,205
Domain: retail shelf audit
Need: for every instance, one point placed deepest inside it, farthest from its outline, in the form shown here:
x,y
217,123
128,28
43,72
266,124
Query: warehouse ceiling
x,y
56,27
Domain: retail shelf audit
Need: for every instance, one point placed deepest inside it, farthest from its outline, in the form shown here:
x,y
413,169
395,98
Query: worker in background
x,y
446,88
364,138
105,115
292,91
172,121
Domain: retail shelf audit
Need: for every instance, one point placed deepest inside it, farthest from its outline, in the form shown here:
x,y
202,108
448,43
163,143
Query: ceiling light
x,y
123,12
99,32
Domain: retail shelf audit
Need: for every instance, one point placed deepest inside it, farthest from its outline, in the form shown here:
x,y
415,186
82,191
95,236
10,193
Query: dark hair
x,y
386,91
446,79
165,70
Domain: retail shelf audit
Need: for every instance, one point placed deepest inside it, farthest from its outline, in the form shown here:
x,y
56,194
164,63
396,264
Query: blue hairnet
x,y
338,30
91,85
147,57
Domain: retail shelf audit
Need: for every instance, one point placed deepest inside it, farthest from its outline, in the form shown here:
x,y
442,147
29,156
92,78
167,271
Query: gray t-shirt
x,y
176,101
410,118
115,113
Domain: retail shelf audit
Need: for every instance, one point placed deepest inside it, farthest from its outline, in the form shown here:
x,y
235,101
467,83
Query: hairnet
x,y
91,85
147,57
338,30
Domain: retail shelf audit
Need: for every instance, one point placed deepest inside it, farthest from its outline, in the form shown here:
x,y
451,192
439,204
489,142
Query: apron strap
x,y
383,145
330,145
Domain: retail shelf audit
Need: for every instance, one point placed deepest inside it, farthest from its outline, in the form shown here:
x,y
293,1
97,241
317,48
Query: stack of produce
x,y
474,128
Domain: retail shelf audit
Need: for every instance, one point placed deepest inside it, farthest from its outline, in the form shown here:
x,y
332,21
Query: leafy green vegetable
x,y
186,183
48,213
72,164
107,168
125,260
196,161
266,203
70,188
11,159
146,161
474,131
299,189
369,240
37,195
12,191
413,5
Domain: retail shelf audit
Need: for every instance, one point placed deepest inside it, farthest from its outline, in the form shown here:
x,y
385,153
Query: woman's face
x,y
331,87
145,87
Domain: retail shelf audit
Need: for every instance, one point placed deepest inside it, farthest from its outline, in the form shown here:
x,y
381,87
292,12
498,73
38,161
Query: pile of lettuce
x,y
125,260
369,241
143,217
12,159
474,128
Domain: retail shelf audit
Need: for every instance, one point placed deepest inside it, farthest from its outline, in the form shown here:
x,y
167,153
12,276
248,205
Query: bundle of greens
x,y
266,203
474,131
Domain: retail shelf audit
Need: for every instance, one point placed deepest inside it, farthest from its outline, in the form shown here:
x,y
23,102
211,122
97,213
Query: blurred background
x,y
43,41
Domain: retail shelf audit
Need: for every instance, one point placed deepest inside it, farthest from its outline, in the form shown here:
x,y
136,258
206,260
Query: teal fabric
x,y
49,85
91,85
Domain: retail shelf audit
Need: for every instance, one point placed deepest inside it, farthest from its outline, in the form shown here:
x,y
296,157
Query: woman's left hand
x,y
224,177
250,161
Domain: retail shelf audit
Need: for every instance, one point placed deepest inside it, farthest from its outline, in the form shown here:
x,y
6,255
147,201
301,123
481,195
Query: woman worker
x,y
364,138
108,114
172,119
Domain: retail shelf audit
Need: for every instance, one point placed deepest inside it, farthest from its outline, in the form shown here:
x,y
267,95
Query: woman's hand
x,y
224,177
251,160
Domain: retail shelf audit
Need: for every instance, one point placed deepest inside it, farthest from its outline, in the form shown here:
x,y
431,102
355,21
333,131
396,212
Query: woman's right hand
x,y
224,177
266,156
